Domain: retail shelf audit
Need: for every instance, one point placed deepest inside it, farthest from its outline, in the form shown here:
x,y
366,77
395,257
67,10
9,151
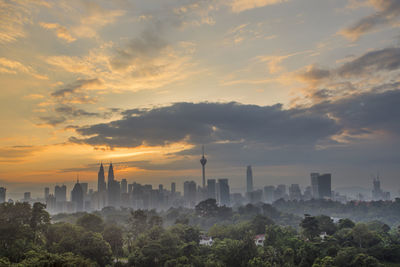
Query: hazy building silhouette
x,y
3,191
101,182
324,186
46,193
203,162
114,188
173,188
249,179
77,196
280,192
124,186
84,188
211,189
295,192
269,193
224,192
314,184
189,192
27,196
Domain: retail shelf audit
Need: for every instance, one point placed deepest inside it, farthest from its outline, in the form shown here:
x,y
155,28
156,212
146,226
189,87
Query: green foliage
x,y
114,236
91,222
310,227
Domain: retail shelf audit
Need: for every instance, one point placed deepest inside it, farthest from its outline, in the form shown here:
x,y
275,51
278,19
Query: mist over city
x,y
200,133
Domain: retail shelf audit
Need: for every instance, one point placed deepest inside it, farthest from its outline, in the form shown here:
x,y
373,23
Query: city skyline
x,y
288,87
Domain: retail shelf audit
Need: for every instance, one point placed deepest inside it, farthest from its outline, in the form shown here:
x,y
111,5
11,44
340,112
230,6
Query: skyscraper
x,y
27,196
314,185
173,188
60,192
203,162
101,183
124,186
46,193
110,173
114,188
224,193
324,186
189,192
211,189
249,180
77,196
2,194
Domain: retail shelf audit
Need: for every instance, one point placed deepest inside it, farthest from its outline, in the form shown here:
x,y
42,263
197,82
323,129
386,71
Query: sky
x,y
288,86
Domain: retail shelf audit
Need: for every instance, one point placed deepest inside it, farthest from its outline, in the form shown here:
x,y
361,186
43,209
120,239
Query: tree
x,y
345,223
113,235
325,224
310,226
91,222
207,208
259,223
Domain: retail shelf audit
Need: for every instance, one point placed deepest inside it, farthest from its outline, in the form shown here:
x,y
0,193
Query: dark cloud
x,y
210,122
365,112
388,11
53,120
387,59
74,112
76,87
315,74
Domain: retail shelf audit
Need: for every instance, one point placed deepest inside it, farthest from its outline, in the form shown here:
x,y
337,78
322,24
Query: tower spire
x,y
203,162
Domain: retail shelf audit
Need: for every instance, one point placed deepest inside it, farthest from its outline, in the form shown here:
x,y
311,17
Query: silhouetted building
x,y
77,196
3,191
324,186
101,181
295,192
124,186
114,189
27,196
46,193
211,189
84,188
203,162
280,192
249,179
255,196
224,192
60,193
189,192
269,193
314,184
173,188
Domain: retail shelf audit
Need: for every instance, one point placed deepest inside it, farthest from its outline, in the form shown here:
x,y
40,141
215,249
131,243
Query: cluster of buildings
x,y
115,193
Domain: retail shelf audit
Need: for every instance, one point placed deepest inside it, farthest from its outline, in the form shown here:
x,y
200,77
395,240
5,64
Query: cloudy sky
x,y
288,86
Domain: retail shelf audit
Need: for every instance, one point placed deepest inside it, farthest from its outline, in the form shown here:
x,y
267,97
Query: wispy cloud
x,y
14,67
238,6
61,31
387,12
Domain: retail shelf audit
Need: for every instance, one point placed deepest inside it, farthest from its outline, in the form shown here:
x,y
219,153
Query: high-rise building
x,y
27,196
114,189
101,181
203,162
224,192
269,193
189,192
314,185
77,196
124,186
211,189
294,192
60,193
324,186
173,188
377,191
110,173
249,179
3,194
280,192
84,188
46,193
